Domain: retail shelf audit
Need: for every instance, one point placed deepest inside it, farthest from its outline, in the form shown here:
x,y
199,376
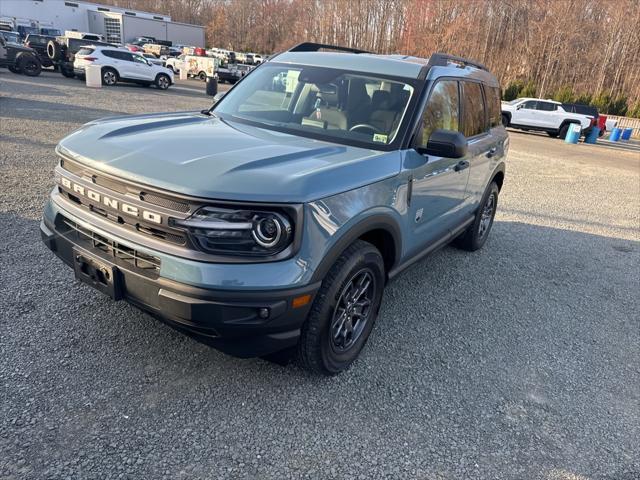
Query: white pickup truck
x,y
543,115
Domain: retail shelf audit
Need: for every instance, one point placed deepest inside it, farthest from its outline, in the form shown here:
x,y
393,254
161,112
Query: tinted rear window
x,y
474,119
581,109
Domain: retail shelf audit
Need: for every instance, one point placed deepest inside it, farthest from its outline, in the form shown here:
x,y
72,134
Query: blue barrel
x,y
593,135
615,134
626,134
573,133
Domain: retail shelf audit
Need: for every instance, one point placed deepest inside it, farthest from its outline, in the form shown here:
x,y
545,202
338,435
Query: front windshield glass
x,y
513,102
11,37
329,104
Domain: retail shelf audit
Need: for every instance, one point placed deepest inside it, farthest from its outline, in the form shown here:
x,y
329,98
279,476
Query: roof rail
x,y
314,47
443,59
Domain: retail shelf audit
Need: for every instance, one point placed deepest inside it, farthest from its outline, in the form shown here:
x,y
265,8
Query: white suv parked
x,y
119,64
544,115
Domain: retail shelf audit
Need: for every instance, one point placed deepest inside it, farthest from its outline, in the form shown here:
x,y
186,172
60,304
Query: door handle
x,y
492,152
461,165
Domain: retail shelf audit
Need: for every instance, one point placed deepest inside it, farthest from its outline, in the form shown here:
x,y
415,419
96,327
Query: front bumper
x,y
228,320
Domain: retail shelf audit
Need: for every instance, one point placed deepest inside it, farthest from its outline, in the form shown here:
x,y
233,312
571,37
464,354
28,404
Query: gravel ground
x,y
520,361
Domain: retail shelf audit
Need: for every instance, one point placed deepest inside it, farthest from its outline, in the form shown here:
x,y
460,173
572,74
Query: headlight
x,y
239,232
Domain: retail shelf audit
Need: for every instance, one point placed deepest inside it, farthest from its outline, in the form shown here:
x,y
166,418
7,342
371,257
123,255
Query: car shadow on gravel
x,y
52,111
438,306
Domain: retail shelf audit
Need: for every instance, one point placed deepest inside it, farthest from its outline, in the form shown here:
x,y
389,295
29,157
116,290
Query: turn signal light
x,y
301,301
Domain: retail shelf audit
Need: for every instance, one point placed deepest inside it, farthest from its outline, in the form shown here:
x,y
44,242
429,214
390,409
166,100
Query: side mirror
x,y
520,106
445,143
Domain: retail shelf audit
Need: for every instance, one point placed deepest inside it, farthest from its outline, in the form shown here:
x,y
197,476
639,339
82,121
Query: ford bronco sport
x,y
306,188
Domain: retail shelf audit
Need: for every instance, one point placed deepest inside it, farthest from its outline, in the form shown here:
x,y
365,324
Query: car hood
x,y
20,48
204,156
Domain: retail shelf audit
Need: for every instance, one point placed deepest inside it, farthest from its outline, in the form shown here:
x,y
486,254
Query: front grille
x,y
174,236
147,264
124,187
165,202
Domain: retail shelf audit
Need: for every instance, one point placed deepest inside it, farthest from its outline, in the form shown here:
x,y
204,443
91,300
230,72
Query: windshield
x,y
11,36
513,102
329,104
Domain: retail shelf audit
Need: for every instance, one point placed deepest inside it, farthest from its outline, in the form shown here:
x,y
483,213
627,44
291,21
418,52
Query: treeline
x,y
587,50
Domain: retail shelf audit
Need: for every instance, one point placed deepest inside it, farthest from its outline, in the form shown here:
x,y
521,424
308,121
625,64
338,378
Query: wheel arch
x,y
569,121
498,175
381,230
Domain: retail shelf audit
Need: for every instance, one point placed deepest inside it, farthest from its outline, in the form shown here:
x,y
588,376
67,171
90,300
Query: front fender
x,y
375,219
334,223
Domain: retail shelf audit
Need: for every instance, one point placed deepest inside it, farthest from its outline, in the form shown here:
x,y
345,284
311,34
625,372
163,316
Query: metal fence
x,y
626,122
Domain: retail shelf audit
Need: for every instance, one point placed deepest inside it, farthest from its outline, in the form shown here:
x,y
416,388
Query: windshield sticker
x,y
379,137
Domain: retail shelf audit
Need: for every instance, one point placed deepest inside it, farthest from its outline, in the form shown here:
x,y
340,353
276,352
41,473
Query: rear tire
x,y
67,72
563,131
202,76
109,77
344,311
476,235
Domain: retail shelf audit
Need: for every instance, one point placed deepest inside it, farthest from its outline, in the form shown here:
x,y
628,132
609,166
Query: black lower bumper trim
x,y
240,323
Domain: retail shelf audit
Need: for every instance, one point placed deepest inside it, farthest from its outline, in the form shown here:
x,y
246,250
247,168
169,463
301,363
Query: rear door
x,y
476,128
548,114
126,65
438,185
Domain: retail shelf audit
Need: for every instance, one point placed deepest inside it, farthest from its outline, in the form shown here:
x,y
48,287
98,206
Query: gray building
x,y
118,25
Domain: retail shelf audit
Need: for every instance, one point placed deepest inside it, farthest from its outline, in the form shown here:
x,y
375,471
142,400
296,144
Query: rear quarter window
x,y
85,51
473,113
492,98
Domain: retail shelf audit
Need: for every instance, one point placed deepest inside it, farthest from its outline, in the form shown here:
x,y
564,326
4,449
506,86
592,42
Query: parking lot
x,y
520,361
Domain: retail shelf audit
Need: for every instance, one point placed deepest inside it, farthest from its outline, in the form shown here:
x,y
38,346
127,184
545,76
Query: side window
x,y
109,53
529,104
492,97
442,110
474,122
547,106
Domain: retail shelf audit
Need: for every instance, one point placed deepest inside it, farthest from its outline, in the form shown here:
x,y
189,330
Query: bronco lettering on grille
x,y
111,202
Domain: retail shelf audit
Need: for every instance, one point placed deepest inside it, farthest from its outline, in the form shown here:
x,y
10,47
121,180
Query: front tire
x,y
29,65
505,120
344,311
476,235
163,81
109,77
553,134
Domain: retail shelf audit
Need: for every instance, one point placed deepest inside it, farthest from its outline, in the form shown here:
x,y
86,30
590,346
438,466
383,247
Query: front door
x,y
526,114
140,69
439,183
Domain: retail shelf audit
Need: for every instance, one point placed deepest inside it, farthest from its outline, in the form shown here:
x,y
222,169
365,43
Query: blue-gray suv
x,y
273,220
